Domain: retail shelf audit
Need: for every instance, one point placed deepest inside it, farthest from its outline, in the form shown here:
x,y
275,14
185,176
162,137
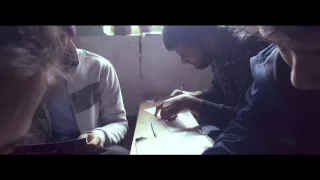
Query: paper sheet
x,y
161,145
184,120
185,143
195,143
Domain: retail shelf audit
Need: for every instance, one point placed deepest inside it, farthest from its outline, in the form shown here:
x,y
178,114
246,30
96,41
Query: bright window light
x,y
108,30
156,28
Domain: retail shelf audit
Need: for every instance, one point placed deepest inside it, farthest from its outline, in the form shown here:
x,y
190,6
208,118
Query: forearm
x,y
206,93
112,112
197,94
216,114
194,104
113,121
234,139
112,133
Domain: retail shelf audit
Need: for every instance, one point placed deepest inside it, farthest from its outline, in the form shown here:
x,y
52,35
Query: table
x,y
143,127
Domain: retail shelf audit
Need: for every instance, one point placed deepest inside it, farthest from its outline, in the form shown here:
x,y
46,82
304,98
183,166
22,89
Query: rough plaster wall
x,y
161,71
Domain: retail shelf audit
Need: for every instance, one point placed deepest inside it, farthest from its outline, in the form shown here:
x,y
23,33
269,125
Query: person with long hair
x,y
30,65
282,115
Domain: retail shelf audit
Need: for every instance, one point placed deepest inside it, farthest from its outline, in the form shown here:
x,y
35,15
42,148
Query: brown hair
x,y
26,50
273,33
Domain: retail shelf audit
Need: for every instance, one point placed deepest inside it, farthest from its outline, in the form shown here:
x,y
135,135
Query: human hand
x,y
92,140
177,92
172,106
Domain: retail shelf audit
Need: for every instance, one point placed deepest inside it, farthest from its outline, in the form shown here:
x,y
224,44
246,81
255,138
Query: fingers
x,y
83,136
100,145
94,141
158,108
169,113
176,93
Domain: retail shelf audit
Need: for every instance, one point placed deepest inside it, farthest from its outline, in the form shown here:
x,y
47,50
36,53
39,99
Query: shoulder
x,y
92,60
262,64
264,92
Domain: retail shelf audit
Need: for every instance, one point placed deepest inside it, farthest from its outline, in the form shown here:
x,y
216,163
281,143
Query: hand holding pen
x,y
178,91
169,107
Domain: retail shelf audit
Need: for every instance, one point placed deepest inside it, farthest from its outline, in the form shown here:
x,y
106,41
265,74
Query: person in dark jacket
x,y
282,115
204,46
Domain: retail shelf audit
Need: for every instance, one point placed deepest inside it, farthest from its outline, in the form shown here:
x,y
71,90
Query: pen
x,y
153,130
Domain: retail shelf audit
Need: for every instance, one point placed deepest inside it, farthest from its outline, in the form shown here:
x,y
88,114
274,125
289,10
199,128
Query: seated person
x,y
89,105
282,116
204,46
30,64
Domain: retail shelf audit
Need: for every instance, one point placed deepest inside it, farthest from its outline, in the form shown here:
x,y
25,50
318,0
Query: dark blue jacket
x,y
231,78
278,119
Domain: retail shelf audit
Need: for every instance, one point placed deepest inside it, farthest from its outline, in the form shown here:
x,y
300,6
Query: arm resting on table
x,y
216,114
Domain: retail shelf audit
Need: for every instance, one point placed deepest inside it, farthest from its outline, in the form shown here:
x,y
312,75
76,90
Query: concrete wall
x,y
161,71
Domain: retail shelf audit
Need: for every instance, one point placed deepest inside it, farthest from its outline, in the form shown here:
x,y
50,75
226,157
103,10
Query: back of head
x,y
190,35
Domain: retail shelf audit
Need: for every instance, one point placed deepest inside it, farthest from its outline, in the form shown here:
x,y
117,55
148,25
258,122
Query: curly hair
x,y
273,33
26,50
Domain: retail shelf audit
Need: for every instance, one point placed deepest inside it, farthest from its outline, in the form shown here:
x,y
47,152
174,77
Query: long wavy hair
x,y
25,50
273,33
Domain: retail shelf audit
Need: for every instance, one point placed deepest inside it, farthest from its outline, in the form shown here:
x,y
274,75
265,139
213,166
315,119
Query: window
x,y
156,28
135,30
108,30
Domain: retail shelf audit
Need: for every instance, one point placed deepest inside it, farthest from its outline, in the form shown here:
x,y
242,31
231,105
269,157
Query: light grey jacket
x,y
97,102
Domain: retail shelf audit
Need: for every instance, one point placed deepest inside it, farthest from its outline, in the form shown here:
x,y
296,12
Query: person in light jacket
x,y
89,105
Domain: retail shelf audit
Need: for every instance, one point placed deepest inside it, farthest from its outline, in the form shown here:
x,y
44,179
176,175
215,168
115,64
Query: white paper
x,y
195,143
184,143
160,146
184,120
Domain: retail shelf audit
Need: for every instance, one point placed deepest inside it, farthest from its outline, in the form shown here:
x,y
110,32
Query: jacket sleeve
x,y
112,114
243,134
212,93
216,114
236,138
206,93
213,111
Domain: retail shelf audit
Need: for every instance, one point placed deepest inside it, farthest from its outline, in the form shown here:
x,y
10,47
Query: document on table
x,y
184,143
184,120
177,142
